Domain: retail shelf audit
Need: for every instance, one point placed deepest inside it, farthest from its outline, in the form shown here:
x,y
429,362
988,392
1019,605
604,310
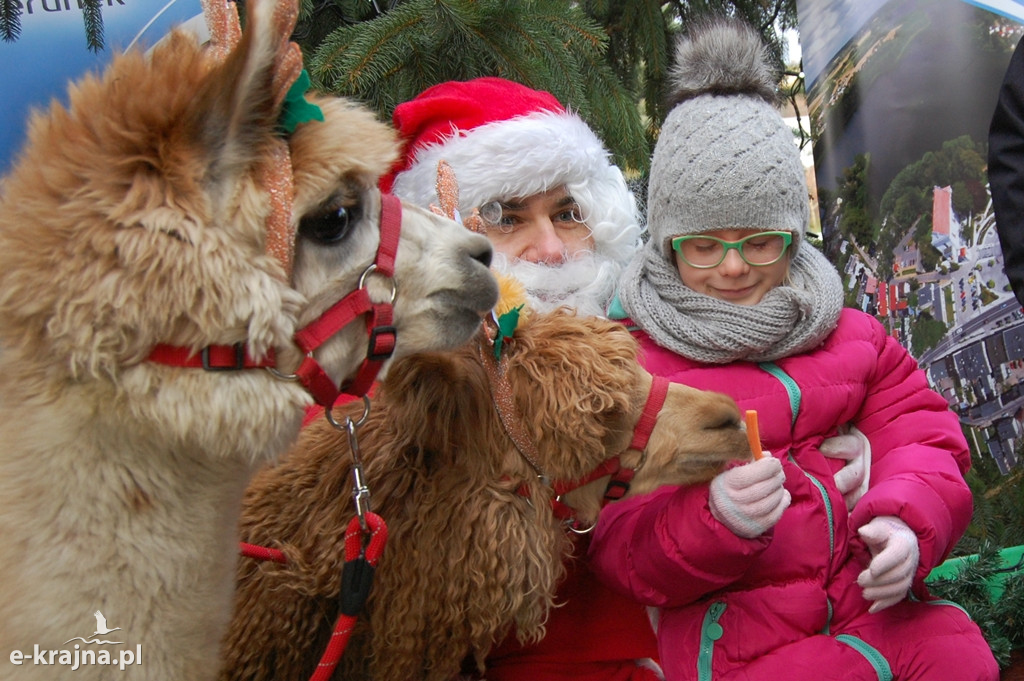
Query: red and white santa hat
x,y
504,141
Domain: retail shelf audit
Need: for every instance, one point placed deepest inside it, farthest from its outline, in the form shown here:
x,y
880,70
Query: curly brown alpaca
x,y
469,558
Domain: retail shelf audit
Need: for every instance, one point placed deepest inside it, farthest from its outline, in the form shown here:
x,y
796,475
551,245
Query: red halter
x,y
379,321
379,327
621,477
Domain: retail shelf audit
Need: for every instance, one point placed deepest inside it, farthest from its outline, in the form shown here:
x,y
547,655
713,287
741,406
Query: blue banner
x,y
51,51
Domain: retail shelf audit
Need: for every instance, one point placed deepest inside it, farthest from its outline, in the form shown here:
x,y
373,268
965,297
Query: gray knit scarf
x,y
791,318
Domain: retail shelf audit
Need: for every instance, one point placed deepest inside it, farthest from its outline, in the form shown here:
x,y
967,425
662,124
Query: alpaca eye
x,y
330,225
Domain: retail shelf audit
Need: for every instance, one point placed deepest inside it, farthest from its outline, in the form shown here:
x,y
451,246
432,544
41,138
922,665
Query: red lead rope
x,y
262,553
360,562
361,558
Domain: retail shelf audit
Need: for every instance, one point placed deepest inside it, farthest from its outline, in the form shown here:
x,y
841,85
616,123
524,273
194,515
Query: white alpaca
x,y
136,217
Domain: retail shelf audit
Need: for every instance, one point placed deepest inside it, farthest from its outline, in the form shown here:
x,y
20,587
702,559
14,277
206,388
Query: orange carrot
x,y
753,435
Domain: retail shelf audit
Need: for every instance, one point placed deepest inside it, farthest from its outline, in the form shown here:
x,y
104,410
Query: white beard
x,y
585,283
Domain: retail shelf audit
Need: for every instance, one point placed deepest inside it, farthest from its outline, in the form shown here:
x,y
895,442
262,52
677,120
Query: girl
x,y
763,573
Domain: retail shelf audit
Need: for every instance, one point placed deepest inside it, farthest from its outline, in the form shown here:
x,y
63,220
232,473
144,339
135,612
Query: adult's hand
x,y
852,479
894,557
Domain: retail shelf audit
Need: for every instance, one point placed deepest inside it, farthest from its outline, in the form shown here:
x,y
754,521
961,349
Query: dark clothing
x,y
1006,170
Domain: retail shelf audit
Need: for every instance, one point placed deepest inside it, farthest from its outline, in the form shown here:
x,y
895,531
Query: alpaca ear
x,y
240,104
442,396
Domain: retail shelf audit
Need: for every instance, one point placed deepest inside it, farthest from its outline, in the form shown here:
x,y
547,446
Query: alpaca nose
x,y
483,254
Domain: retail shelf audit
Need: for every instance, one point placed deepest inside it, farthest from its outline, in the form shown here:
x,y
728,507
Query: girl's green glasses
x,y
757,250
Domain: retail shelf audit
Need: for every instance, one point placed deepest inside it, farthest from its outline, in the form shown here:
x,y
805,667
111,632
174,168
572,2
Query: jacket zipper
x,y
874,658
710,631
795,396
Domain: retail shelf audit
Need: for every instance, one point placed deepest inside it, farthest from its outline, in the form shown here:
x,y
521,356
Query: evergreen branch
x,y
346,57
558,63
10,20
991,590
501,38
93,18
650,23
655,62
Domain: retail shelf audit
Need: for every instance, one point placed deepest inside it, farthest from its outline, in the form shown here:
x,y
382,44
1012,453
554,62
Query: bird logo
x,y
101,625
101,630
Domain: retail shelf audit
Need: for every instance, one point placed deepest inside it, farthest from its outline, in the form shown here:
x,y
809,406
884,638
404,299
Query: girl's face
x,y
734,280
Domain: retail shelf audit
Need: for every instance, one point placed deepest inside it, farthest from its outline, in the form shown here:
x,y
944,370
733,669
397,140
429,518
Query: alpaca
x,y
474,550
135,218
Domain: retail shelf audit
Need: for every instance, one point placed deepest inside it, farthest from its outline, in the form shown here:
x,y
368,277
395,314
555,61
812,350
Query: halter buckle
x,y
382,343
239,359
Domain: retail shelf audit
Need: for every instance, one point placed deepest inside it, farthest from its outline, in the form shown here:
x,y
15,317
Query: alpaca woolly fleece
x,y
474,547
136,217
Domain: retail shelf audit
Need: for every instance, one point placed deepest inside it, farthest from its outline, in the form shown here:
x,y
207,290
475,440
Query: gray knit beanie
x,y
724,158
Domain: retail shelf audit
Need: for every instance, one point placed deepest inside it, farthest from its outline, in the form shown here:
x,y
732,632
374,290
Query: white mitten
x,y
750,499
894,557
852,478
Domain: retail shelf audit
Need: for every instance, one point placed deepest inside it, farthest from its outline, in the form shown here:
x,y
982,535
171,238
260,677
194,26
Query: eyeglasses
x,y
757,250
508,218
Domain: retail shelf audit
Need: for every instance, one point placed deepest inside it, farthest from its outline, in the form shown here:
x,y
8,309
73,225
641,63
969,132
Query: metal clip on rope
x,y
360,491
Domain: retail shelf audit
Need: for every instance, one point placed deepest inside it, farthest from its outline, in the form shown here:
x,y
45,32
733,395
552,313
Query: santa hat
x,y
504,140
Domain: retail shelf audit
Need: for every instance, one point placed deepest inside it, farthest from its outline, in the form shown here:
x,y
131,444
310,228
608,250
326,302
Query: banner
x,y
900,96
51,50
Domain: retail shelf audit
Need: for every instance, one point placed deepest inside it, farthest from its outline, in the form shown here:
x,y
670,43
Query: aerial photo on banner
x,y
900,96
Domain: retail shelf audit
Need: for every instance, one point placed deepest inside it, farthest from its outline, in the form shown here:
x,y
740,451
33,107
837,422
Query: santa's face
x,y
544,228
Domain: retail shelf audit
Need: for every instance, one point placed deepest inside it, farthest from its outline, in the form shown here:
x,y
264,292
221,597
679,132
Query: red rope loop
x,y
376,537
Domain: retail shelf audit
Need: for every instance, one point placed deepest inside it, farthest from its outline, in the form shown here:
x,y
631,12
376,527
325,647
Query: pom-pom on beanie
x,y
504,140
725,159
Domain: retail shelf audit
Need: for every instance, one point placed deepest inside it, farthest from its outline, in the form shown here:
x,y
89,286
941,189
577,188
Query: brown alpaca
x,y
468,558
136,217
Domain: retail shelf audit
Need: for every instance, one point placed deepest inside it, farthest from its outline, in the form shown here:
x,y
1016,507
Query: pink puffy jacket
x,y
751,596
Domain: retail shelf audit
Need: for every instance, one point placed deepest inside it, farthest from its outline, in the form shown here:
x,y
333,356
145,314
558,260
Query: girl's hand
x,y
750,499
